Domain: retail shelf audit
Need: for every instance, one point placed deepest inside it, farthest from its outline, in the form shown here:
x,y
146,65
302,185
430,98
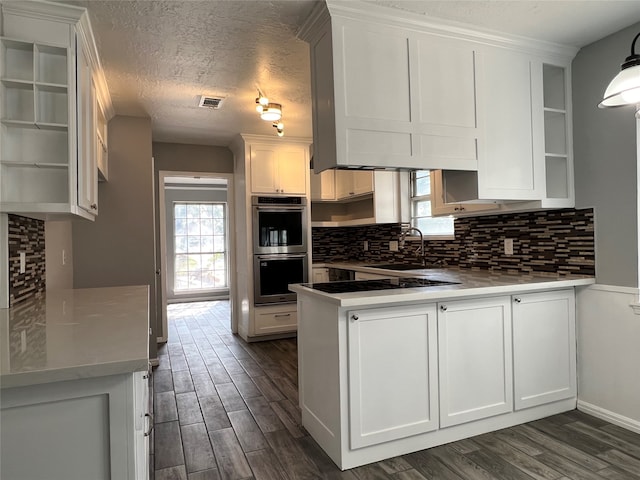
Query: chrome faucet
x,y
403,238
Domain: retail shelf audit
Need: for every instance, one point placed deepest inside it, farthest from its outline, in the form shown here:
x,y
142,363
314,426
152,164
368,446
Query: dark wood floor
x,y
225,409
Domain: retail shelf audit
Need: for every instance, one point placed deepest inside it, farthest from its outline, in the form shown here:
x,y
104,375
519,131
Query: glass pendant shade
x,y
272,112
624,89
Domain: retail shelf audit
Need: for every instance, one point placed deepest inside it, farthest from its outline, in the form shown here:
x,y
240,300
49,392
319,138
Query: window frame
x,y
225,252
412,206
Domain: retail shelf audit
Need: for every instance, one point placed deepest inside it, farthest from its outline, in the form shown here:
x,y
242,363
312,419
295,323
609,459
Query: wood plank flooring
x,y
228,410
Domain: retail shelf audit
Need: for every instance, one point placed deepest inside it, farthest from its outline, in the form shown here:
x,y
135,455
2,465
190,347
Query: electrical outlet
x,y
23,262
365,246
508,246
393,245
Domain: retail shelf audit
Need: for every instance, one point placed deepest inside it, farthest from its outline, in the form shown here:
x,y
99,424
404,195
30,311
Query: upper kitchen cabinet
x,y
526,152
51,80
391,89
281,168
387,96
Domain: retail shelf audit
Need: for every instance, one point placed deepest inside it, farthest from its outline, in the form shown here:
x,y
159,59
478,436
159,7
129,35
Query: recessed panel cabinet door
x,y
475,366
509,164
264,169
293,170
544,347
392,373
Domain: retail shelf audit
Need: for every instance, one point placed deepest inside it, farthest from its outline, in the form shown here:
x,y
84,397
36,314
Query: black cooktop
x,y
378,284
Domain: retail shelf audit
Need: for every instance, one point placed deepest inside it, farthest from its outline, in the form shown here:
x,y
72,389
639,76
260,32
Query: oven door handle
x,y
281,256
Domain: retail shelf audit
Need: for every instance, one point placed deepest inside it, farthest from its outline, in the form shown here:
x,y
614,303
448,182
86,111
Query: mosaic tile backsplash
x,y
26,235
551,241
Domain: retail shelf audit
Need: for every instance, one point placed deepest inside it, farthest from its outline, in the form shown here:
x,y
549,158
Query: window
x,y
421,207
200,246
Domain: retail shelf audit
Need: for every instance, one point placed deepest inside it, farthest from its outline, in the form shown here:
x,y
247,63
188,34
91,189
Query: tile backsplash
x,y
552,241
25,235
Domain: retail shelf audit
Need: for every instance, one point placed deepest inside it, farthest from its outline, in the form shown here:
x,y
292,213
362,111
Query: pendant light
x,y
624,89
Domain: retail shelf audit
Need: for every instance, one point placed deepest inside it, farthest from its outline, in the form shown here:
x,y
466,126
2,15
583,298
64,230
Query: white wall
x,y
608,336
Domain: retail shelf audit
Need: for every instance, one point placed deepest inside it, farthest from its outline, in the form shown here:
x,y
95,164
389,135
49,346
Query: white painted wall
x,y
608,337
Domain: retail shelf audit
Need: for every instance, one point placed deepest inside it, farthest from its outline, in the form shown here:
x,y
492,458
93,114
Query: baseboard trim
x,y
609,416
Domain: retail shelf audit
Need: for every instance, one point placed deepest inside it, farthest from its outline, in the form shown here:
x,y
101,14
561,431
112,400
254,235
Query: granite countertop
x,y
469,283
73,334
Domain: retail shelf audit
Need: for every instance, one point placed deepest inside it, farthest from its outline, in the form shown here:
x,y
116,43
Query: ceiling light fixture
x,y
272,112
624,89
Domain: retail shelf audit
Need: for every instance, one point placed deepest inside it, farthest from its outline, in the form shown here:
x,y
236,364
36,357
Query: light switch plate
x,y
23,262
393,245
365,246
508,246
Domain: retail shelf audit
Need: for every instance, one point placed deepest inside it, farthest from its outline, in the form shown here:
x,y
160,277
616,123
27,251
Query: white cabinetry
x,y
392,370
267,166
440,206
544,347
95,428
377,382
320,274
47,148
352,183
323,186
275,319
401,90
403,118
526,153
475,365
382,203
279,169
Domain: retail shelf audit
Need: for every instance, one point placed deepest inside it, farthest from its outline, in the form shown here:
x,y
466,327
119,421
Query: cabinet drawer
x,y
275,321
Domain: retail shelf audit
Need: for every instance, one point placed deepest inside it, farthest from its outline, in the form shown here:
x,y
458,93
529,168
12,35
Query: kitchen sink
x,y
399,266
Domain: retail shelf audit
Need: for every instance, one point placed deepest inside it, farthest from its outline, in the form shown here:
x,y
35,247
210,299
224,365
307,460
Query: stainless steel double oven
x,y
279,247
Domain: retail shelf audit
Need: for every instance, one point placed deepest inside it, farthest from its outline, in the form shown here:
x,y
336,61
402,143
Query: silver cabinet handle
x,y
517,299
282,315
443,308
354,318
150,428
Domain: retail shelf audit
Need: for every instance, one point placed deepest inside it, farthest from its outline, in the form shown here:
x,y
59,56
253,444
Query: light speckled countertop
x,y
470,283
72,334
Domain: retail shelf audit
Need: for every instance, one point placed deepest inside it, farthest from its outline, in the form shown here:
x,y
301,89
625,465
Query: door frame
x,y
162,174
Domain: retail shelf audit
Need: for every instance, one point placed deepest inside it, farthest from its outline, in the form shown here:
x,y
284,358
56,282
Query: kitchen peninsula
x,y
387,372
74,377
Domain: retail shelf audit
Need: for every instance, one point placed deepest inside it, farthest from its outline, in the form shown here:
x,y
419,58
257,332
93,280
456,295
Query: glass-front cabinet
x,y
48,150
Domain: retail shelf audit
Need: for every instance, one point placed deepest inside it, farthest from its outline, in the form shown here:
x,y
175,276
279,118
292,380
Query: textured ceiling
x,y
160,56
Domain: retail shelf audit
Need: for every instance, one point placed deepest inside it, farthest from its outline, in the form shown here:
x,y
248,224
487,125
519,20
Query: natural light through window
x,y
200,246
421,207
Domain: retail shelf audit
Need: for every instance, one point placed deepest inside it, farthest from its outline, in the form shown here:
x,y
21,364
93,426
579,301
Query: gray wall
x,y
118,248
175,157
188,195
605,159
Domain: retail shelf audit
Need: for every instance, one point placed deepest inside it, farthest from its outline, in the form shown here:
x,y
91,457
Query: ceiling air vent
x,y
210,102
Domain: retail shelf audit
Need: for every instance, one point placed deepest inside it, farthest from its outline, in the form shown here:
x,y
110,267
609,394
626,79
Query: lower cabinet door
x,y
475,363
392,364
544,347
143,422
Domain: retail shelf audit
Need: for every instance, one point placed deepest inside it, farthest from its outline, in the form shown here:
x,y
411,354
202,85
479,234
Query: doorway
x,y
196,238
